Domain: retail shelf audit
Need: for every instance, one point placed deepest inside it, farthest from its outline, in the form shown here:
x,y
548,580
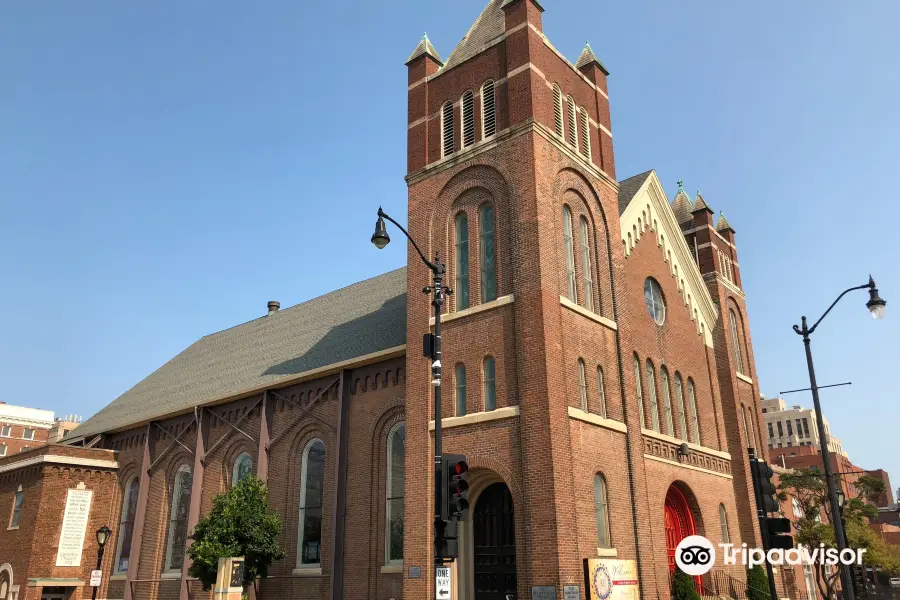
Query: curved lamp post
x,y
439,292
102,537
876,309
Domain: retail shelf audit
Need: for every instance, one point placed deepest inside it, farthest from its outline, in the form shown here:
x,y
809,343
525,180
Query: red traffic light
x,y
461,467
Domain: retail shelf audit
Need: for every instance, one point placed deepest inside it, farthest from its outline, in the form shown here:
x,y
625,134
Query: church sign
x,y
611,579
74,525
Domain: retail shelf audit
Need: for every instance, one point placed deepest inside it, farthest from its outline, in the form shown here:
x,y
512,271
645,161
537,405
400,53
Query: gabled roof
x,y
723,224
629,187
587,57
424,49
489,25
357,320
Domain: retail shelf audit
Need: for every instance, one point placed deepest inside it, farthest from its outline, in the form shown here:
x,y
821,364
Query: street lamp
x,y
439,292
876,308
840,499
102,537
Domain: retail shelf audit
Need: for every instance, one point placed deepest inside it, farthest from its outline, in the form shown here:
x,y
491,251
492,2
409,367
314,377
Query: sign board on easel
x,y
442,583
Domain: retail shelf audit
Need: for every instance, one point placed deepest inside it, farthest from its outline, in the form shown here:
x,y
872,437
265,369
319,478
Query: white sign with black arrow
x,y
442,583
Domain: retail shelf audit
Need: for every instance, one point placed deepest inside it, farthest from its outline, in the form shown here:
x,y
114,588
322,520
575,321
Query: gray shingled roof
x,y
587,57
629,187
681,206
489,25
700,204
354,321
424,48
723,223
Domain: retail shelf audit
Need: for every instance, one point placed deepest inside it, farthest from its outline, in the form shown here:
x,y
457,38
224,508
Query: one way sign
x,y
442,583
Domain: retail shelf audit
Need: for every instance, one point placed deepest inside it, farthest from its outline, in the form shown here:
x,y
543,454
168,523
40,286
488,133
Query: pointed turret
x,y
700,204
723,224
588,58
424,49
681,204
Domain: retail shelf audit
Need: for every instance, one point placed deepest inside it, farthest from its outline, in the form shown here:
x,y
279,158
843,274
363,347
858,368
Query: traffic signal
x,y
455,489
446,544
762,476
776,528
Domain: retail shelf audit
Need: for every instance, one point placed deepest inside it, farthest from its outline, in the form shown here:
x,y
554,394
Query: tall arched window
x,y
637,389
750,425
572,134
557,110
667,402
460,380
572,294
462,261
488,252
312,476
692,406
601,391
587,280
582,386
489,383
601,507
679,399
178,518
396,456
723,522
651,390
744,423
736,342
447,129
585,134
126,524
488,110
18,501
243,468
468,119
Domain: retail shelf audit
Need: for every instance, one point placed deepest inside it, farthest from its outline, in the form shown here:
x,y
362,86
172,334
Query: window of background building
x,y
462,261
178,517
653,297
126,525
799,428
488,253
394,510
243,468
2,449
5,431
489,385
601,507
28,434
771,431
805,427
459,376
312,476
18,501
780,430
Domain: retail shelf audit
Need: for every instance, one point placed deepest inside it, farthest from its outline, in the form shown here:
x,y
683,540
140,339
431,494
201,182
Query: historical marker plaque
x,y
74,525
543,592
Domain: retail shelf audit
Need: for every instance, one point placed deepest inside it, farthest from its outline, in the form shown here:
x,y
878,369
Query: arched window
x,y
667,402
572,294
18,502
587,281
582,386
126,524
653,298
312,476
488,252
460,380
243,468
488,110
744,423
178,518
750,424
601,507
447,129
736,342
654,404
723,522
468,119
692,406
637,389
557,110
679,399
462,261
601,391
572,134
396,456
585,134
489,383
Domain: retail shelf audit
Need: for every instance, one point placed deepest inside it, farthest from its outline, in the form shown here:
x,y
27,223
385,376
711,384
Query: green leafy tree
x,y
870,488
239,524
757,584
683,586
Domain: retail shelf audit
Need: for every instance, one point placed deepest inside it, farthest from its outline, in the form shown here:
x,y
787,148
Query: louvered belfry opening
x,y
489,109
468,119
572,134
447,129
585,134
558,110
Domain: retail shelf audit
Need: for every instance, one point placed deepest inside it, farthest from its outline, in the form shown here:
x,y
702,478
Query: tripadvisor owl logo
x,y
695,555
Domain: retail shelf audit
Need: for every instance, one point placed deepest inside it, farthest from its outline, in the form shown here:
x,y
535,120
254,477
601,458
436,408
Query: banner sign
x,y
611,579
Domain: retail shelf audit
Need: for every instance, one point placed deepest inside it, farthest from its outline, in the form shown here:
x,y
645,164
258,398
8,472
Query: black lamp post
x,y
439,292
876,308
102,537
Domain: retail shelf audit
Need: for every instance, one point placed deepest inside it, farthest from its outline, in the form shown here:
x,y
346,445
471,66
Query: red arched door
x,y
679,522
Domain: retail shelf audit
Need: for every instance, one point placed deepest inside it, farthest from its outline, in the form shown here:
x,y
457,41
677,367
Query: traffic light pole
x,y
438,291
763,525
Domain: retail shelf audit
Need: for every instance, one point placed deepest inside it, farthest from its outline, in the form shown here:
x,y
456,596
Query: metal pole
x,y
846,579
437,301
99,564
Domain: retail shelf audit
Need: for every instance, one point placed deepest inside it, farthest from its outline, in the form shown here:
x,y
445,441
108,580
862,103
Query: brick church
x,y
598,368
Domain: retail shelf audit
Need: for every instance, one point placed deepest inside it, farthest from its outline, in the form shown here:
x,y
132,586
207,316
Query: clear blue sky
x,y
168,167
